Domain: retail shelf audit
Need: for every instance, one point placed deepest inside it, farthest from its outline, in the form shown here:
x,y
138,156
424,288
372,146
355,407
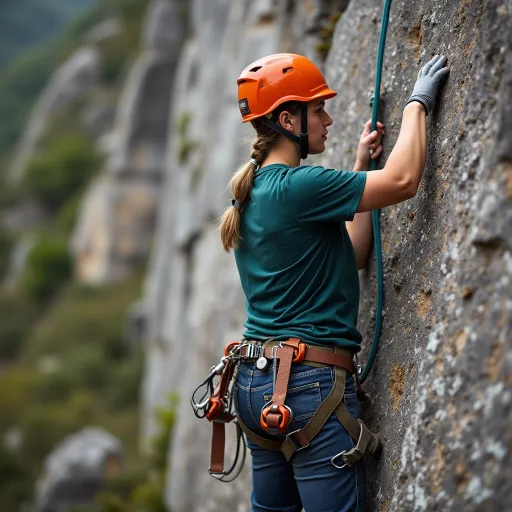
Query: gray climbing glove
x,y
429,78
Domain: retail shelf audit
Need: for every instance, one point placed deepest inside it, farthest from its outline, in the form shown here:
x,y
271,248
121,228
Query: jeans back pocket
x,y
302,400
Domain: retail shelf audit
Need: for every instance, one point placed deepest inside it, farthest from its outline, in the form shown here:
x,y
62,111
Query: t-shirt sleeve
x,y
316,194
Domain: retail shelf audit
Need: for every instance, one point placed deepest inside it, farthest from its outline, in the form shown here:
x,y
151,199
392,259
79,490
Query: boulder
x,y
76,469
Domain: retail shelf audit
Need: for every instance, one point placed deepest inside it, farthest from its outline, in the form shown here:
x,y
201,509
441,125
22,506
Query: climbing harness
x,y
374,103
276,416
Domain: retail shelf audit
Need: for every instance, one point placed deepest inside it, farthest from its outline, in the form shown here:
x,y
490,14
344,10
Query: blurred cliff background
x,y
119,130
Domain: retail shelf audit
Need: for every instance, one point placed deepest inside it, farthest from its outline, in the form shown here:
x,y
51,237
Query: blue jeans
x,y
309,480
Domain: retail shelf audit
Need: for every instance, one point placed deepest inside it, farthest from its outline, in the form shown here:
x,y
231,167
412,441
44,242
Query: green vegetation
x,y
48,267
74,370
23,79
63,361
324,45
17,315
144,491
185,144
24,23
6,246
62,171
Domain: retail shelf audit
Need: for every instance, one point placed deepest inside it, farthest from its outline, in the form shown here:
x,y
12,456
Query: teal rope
x,y
376,213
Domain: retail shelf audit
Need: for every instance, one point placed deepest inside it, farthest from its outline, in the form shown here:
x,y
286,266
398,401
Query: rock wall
x,y
75,79
114,231
441,386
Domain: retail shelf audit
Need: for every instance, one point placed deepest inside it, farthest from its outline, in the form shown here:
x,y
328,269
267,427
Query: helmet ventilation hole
x,y
253,70
287,70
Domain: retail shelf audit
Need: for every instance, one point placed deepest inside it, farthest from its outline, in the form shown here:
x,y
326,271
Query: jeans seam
x,y
249,408
307,373
259,388
304,387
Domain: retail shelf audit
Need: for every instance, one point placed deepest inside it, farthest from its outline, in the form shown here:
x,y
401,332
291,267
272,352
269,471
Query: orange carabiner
x,y
229,347
279,417
299,353
214,409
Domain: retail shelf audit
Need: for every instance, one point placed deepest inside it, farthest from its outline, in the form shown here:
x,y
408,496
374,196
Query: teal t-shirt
x,y
296,261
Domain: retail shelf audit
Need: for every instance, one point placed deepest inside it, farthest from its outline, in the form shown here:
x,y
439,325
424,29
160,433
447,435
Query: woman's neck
x,y
285,152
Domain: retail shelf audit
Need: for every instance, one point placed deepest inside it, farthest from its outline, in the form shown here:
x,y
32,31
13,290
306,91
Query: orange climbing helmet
x,y
268,82
271,81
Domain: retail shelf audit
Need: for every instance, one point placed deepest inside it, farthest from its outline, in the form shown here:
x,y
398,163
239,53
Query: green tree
x,y
48,267
58,174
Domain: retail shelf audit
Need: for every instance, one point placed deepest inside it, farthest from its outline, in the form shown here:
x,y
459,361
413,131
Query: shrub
x,y
124,383
146,493
48,266
68,214
15,481
16,317
86,316
6,245
85,367
61,171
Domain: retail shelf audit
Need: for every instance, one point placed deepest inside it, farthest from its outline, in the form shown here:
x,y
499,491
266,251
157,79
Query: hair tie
x,y
236,204
254,162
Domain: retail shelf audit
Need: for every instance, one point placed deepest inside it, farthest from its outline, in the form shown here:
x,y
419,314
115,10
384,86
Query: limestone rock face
x,y
76,469
441,373
441,387
115,226
74,79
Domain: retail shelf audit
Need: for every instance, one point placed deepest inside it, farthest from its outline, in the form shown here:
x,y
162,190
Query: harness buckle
x,y
297,445
217,475
354,455
275,418
299,351
335,457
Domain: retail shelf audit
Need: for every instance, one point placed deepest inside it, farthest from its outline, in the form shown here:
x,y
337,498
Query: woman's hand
x,y
370,145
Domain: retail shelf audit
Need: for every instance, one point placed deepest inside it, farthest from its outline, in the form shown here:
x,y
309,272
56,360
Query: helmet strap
x,y
304,143
303,139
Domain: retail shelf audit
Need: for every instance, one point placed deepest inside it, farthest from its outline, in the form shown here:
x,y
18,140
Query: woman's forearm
x,y
407,160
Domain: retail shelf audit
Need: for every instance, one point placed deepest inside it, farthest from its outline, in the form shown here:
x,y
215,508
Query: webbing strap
x,y
218,443
300,439
267,444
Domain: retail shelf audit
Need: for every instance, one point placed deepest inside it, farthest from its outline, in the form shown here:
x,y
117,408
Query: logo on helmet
x,y
244,107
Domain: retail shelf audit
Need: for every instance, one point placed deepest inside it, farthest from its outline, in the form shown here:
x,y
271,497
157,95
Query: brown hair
x,y
241,181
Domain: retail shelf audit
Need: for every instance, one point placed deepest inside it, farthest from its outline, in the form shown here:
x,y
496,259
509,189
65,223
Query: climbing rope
x,y
375,214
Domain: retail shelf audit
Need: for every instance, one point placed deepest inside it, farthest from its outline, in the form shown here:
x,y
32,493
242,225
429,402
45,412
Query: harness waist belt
x,y
314,354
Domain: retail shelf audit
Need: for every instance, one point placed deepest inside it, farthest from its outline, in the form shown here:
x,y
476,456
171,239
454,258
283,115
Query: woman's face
x,y
318,123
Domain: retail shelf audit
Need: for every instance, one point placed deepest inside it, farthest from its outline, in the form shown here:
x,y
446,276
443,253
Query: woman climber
x,y
299,235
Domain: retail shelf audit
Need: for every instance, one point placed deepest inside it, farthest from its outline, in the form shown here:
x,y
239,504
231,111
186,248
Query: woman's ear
x,y
285,120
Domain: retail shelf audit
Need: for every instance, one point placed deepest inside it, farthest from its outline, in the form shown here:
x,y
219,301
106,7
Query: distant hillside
x,y
24,23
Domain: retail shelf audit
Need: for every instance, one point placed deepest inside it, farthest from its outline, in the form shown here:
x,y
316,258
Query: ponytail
x,y
241,182
241,186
